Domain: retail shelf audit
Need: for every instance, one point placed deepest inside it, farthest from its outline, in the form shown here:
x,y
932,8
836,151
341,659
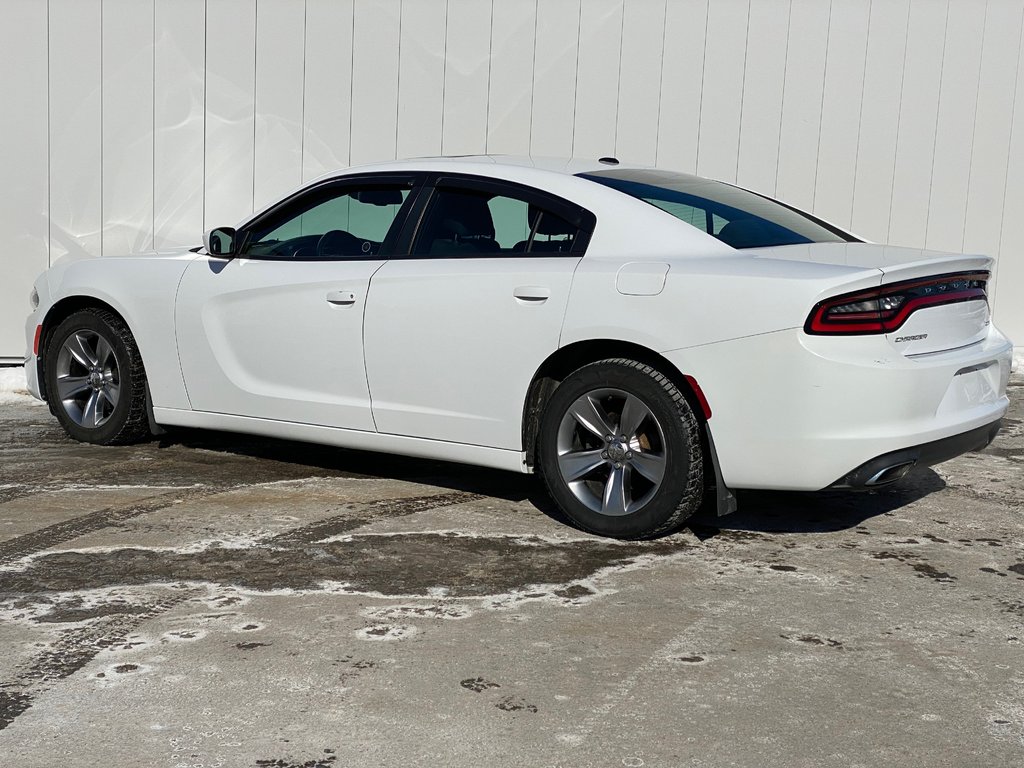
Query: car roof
x,y
489,164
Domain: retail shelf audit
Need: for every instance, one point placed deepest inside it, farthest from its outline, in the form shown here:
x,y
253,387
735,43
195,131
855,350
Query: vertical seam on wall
x,y
1009,143
398,80
782,100
703,74
618,81
661,82
743,93
974,123
821,109
255,82
490,58
533,79
935,136
444,77
576,79
49,148
860,117
206,24
351,81
103,222
152,145
899,124
302,107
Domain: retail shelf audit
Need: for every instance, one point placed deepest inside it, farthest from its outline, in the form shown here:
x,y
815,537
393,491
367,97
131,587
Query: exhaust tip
x,y
889,474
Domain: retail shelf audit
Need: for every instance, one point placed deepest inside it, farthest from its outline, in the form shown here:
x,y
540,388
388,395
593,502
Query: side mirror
x,y
220,241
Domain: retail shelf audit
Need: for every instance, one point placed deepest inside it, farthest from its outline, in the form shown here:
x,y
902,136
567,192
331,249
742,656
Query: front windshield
x,y
735,216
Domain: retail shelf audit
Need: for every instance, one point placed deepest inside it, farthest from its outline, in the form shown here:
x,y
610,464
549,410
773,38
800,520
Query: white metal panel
x,y
509,105
169,111
375,55
993,120
879,118
76,126
597,78
554,77
179,118
421,78
801,103
230,105
682,75
127,125
719,141
840,111
466,77
761,110
23,155
643,38
915,143
327,87
280,49
954,137
1009,283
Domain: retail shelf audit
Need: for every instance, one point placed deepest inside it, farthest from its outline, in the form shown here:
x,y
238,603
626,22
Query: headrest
x,y
748,233
466,214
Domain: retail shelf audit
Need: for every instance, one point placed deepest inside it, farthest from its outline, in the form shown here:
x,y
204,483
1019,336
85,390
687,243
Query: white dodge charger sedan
x,y
642,339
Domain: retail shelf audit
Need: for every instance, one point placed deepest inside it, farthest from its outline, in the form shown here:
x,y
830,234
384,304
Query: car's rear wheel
x,y
620,452
95,380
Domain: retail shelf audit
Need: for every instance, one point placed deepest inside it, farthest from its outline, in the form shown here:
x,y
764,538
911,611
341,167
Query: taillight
x,y
886,308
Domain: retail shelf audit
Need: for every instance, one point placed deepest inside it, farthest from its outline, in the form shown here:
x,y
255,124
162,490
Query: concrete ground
x,y
215,600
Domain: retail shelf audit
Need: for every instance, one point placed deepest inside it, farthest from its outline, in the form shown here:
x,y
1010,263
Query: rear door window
x,y
461,222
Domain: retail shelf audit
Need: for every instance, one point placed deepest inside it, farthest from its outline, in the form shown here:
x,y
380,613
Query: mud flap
x,y
154,429
725,498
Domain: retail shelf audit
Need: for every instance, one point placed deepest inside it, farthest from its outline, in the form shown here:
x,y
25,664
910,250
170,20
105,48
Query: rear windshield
x,y
735,216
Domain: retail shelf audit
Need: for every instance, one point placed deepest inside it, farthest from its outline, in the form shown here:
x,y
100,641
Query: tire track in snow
x,y
72,650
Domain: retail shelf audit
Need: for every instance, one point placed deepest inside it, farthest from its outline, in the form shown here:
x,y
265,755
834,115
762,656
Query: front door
x,y
277,331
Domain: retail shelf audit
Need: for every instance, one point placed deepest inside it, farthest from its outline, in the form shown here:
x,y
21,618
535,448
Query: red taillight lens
x,y
886,308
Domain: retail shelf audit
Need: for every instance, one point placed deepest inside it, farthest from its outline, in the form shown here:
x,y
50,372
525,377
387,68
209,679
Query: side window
x,y
464,222
333,223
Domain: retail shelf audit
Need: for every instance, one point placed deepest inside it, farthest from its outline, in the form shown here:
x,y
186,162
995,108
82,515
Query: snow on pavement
x,y
13,387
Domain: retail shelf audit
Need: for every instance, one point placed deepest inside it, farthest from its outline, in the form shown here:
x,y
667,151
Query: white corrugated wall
x,y
132,124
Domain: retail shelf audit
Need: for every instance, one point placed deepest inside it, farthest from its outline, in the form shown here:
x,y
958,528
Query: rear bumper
x,y
890,467
796,412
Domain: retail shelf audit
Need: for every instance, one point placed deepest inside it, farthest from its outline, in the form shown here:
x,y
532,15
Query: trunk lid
x,y
929,327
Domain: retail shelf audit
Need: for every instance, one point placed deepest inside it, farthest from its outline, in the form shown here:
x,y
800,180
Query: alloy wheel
x,y
611,451
88,378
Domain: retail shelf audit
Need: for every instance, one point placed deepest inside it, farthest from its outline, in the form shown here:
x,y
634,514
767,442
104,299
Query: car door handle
x,y
341,298
532,294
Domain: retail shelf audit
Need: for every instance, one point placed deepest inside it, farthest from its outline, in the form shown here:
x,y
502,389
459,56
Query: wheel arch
x,y
573,356
56,314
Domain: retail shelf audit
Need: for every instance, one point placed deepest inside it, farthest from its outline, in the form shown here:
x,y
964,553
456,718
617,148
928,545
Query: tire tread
x,y
691,499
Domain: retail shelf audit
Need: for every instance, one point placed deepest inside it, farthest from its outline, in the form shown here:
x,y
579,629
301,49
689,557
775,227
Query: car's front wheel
x,y
620,452
95,381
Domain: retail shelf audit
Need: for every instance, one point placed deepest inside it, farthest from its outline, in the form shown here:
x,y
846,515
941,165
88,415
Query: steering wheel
x,y
337,242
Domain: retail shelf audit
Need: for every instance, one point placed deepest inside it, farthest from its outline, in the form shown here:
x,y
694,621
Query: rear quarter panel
x,y
705,299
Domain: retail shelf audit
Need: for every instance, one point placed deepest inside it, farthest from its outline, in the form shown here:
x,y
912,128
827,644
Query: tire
x,y
640,487
95,381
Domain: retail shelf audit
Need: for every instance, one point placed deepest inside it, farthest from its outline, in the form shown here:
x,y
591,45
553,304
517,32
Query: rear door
x,y
456,328
277,331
